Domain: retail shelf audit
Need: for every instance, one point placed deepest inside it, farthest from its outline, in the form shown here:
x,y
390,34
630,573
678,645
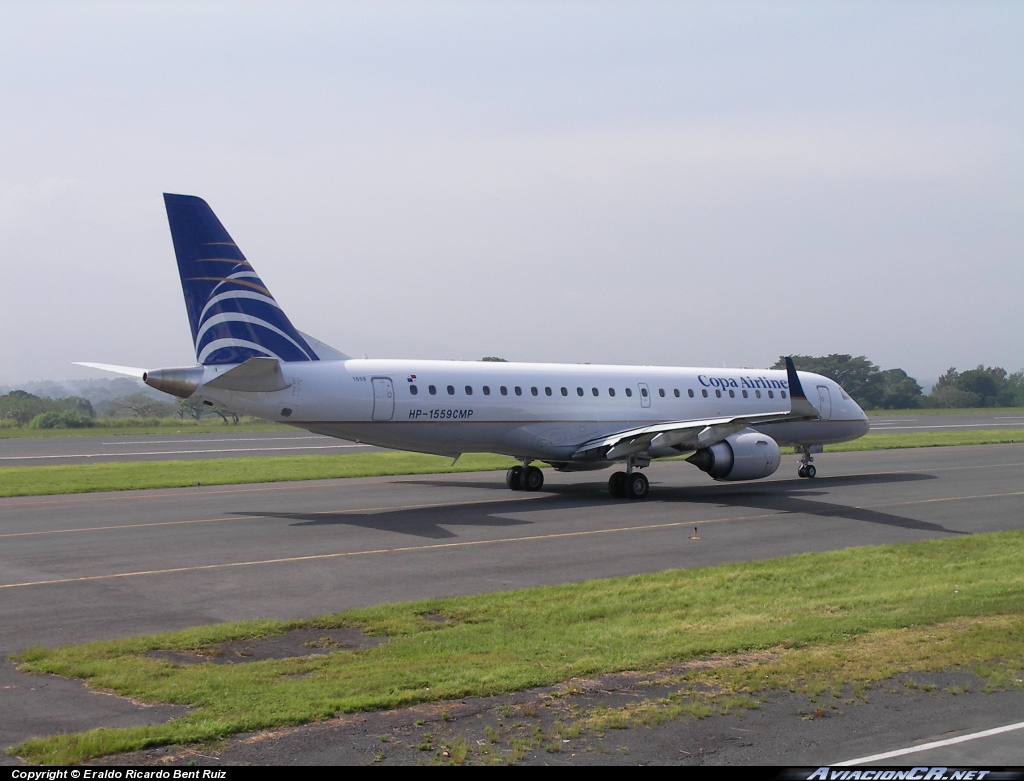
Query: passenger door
x,y
824,403
383,398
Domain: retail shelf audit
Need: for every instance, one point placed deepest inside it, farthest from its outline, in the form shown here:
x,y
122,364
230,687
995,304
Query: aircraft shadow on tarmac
x,y
428,522
798,498
790,497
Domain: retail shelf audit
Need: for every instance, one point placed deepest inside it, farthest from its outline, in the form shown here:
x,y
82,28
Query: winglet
x,y
799,405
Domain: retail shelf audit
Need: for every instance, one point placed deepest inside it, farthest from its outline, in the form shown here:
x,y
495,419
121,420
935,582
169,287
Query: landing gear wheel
x,y
811,471
617,485
532,478
801,472
514,478
637,486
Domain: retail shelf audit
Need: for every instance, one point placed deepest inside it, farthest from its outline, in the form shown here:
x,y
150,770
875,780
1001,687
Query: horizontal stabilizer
x,y
257,375
130,371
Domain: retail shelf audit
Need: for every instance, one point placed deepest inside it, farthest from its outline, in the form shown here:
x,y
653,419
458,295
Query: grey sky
x,y
669,183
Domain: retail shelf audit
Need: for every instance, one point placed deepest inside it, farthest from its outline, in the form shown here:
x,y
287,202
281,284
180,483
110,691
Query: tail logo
x,y
233,316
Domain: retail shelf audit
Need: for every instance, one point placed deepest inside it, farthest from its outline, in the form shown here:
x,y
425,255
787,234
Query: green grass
x,y
930,439
814,622
86,478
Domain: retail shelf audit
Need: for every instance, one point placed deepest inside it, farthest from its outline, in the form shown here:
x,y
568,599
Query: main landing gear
x,y
524,478
628,484
806,468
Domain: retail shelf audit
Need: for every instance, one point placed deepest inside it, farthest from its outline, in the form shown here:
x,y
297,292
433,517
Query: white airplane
x,y
251,359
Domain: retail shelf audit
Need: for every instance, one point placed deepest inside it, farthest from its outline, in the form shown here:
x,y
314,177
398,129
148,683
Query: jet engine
x,y
748,455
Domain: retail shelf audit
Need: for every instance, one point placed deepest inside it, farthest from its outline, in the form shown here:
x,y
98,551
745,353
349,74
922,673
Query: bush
x,y
65,419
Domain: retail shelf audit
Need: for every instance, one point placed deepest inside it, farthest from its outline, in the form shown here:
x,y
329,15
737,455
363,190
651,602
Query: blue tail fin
x,y
233,315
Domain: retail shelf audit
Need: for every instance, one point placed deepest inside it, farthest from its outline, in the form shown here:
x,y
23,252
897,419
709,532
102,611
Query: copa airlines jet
x,y
251,359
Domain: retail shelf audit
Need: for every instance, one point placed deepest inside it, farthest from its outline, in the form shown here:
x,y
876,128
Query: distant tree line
x,y
26,409
876,388
22,408
871,386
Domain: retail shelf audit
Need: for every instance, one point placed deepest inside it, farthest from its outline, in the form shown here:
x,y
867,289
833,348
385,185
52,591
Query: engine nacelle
x,y
748,455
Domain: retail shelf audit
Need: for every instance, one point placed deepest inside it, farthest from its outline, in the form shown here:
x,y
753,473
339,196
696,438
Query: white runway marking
x,y
193,441
935,744
950,425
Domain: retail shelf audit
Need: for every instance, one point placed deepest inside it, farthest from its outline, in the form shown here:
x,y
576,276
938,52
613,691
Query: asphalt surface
x,y
906,422
78,568
233,443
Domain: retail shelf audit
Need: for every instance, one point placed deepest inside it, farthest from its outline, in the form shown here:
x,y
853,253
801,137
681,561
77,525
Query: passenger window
x,y
745,394
547,391
431,390
519,391
718,392
504,390
413,390
533,390
771,394
661,392
704,392
451,390
579,391
782,393
487,390
565,391
732,394
689,392
676,392
629,392
611,392
643,392
757,393
594,391
469,390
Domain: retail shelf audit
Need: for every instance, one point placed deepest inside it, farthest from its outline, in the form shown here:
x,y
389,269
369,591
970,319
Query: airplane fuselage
x,y
534,410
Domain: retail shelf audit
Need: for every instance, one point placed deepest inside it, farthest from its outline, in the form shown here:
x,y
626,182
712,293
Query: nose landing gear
x,y
806,468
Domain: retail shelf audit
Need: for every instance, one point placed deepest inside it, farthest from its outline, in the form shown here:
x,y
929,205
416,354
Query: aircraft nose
x,y
863,425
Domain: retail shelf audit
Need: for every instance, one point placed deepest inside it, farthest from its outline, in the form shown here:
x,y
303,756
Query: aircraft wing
x,y
696,434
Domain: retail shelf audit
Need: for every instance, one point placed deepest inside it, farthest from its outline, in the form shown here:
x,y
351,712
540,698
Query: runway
x,y
235,443
61,451
78,568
